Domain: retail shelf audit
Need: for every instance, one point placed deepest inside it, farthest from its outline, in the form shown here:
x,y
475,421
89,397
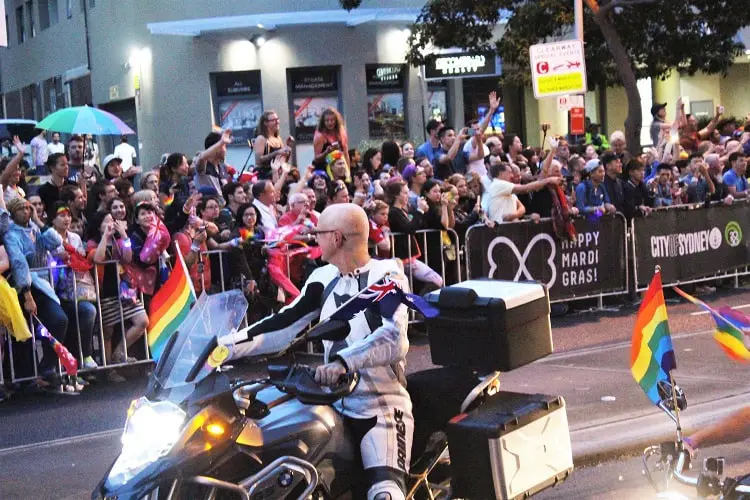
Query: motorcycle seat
x,y
436,395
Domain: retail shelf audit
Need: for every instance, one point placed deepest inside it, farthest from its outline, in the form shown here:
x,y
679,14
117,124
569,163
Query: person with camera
x,y
190,241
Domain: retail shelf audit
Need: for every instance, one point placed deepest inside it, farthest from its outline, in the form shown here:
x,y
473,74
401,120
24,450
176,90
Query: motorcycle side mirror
x,y
332,329
666,396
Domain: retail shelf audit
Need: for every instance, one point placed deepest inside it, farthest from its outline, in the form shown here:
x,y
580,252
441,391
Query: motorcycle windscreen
x,y
192,353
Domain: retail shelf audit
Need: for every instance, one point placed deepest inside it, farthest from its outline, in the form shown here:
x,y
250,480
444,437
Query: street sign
x,y
558,68
577,121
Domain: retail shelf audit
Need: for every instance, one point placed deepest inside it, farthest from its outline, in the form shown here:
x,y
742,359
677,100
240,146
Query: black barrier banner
x,y
594,263
691,244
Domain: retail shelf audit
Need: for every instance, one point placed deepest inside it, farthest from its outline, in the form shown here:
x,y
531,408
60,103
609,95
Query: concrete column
x,y
456,106
667,91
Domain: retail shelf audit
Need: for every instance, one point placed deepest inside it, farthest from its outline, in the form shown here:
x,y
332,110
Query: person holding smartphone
x,y
191,242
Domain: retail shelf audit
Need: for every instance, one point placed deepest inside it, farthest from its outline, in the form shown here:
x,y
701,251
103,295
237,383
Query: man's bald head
x,y
349,219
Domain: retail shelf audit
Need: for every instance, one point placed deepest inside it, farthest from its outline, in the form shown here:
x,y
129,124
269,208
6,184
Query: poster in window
x,y
241,116
385,115
497,122
437,100
307,111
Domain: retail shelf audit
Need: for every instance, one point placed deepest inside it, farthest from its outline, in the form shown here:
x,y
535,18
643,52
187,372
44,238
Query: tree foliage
x,y
693,35
625,39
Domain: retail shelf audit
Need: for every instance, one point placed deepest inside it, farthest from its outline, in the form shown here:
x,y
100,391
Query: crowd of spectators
x,y
85,250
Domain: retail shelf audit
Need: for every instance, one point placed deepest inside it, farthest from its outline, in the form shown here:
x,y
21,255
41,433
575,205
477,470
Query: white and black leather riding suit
x,y
379,411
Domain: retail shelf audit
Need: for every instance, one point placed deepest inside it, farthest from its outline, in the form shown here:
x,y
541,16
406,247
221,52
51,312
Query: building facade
x,y
173,68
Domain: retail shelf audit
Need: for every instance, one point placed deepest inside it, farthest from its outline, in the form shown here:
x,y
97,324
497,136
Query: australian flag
x,y
384,296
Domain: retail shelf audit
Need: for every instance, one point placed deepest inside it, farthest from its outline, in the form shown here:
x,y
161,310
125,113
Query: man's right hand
x,y
29,305
552,181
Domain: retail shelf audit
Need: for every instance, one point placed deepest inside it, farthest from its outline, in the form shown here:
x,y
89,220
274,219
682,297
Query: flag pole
x,y
676,408
657,270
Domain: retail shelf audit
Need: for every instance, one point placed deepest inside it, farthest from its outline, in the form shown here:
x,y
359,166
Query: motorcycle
x,y
197,434
671,459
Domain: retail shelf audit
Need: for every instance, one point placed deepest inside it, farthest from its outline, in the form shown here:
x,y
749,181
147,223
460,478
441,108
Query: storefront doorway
x,y
125,111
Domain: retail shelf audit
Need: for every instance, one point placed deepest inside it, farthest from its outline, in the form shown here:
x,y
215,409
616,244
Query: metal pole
x,y
578,6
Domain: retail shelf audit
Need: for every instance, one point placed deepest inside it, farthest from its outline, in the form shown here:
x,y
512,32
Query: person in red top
x,y
379,237
191,241
299,212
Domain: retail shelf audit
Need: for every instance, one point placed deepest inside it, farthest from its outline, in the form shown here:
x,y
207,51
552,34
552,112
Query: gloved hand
x,y
233,337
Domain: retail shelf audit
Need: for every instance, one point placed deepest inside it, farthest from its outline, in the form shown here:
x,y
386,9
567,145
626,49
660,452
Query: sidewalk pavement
x,y
610,416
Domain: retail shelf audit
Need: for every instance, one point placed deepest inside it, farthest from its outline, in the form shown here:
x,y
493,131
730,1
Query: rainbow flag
x,y
730,325
169,307
246,234
651,353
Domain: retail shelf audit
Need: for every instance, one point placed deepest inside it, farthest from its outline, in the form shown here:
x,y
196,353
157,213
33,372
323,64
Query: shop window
x,y
311,91
20,26
80,91
43,14
437,102
30,13
237,103
13,104
386,85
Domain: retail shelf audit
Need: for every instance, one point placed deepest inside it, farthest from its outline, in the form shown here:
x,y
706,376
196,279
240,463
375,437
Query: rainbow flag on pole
x,y
730,326
651,353
169,307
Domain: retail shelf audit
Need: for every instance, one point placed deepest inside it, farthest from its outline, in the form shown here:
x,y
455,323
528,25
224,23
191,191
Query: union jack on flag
x,y
385,295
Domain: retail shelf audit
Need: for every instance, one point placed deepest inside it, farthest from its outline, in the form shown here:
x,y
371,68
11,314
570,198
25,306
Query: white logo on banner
x,y
682,244
522,270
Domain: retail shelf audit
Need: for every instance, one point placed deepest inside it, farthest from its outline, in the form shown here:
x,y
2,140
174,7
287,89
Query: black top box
x,y
490,325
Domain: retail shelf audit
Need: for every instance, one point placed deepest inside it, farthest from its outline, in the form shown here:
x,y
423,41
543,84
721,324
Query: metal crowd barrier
x,y
736,273
522,253
33,343
423,247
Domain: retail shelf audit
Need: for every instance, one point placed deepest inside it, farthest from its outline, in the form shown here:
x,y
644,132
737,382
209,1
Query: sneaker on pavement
x,y
89,363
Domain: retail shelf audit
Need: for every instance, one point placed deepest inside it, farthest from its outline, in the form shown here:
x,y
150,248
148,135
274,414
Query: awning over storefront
x,y
272,21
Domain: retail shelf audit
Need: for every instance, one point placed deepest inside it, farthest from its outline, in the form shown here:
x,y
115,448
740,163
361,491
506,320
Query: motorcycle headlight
x,y
150,432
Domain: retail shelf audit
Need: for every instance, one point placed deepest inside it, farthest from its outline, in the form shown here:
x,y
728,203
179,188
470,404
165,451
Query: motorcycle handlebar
x,y
299,380
682,461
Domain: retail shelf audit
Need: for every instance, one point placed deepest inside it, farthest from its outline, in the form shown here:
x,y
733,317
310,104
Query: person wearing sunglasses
x,y
338,193
380,410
